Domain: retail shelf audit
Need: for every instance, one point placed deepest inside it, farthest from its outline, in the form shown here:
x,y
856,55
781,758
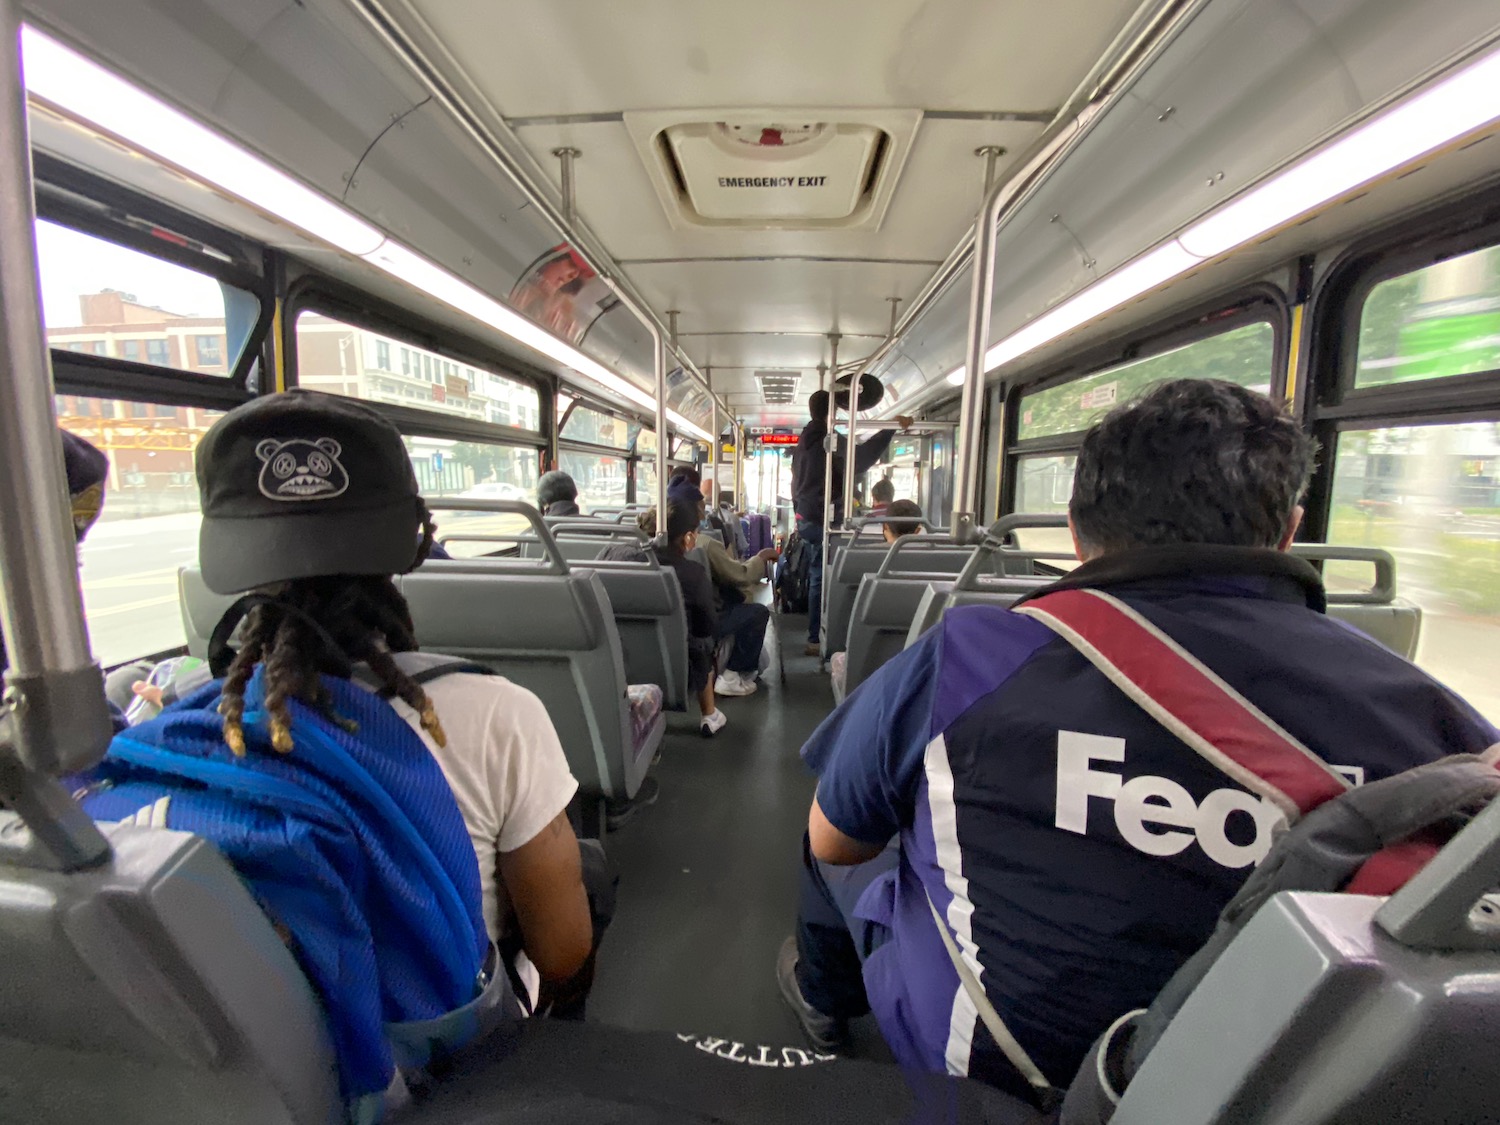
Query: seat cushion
x,y
837,663
645,705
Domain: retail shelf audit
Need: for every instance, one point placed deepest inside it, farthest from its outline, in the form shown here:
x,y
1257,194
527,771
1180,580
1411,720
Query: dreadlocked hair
x,y
364,615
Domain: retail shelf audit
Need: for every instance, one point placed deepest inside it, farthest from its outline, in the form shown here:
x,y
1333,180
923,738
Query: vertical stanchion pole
x,y
53,718
971,409
830,443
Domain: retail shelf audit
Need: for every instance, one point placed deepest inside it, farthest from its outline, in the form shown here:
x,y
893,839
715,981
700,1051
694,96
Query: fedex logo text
x,y
1156,815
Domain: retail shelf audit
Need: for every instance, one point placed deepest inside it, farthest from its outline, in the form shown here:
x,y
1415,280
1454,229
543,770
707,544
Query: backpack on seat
x,y
352,844
1335,847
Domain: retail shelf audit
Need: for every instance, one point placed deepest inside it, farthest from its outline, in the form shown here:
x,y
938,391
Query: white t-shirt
x,y
505,766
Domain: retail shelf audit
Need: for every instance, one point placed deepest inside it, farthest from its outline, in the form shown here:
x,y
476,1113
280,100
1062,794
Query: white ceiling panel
x,y
562,72
541,57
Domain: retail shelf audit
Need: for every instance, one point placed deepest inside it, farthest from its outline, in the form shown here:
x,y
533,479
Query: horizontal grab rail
x,y
1381,592
552,557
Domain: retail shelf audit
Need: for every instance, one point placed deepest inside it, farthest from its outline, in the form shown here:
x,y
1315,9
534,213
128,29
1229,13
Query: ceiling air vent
x,y
778,169
777,387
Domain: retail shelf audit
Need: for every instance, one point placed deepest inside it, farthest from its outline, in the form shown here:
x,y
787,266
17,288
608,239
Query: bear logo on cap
x,y
299,469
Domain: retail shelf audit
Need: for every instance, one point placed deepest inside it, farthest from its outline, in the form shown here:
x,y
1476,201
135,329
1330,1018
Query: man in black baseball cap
x,y
303,484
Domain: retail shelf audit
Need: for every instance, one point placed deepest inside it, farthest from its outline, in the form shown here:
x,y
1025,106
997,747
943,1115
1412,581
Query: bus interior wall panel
x,y
352,121
1166,165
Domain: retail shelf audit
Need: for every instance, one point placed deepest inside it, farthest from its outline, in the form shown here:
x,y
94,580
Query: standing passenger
x,y
808,470
1073,847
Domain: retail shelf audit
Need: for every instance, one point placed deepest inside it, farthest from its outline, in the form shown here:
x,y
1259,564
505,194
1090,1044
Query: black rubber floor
x,y
708,887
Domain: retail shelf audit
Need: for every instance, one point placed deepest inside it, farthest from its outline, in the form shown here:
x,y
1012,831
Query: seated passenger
x,y
86,469
739,616
557,495
882,492
901,527
684,477
683,505
317,544
1074,850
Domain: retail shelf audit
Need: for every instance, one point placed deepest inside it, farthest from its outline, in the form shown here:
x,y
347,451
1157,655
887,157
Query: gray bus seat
x,y
152,988
535,622
878,625
1377,611
652,623
1338,1009
865,554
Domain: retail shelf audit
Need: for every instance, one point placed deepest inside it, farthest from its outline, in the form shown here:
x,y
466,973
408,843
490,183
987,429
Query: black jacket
x,y
808,467
697,588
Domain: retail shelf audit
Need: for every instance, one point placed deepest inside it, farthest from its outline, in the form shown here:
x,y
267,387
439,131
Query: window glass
x,y
596,428
148,525
600,480
471,470
1430,495
1044,484
346,360
103,299
1243,356
1431,323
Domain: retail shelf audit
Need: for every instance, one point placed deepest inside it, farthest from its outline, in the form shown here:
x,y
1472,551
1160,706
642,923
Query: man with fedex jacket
x,y
992,799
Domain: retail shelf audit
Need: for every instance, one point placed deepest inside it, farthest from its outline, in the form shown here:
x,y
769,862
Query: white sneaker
x,y
713,724
734,683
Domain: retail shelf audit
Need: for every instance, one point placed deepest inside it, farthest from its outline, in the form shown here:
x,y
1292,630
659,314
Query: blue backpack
x,y
353,845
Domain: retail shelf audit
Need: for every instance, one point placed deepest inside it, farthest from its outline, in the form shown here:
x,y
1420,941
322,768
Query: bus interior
x,y
545,234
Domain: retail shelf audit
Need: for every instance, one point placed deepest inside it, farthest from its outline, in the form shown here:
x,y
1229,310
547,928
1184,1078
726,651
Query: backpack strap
x,y
1181,693
421,668
1048,1096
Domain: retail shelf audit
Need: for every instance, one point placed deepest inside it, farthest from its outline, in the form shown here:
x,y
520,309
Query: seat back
x,y
152,988
650,617
867,552
1336,1009
879,623
1375,611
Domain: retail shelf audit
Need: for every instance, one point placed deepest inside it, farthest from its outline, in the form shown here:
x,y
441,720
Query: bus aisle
x,y
708,875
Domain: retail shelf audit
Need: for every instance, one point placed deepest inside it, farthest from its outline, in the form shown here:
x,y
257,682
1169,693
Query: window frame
x,y
90,205
1259,303
1335,406
321,296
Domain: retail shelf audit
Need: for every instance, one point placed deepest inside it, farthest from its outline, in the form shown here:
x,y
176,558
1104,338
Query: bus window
x,y
1243,356
645,468
1044,484
471,470
1431,496
344,359
148,527
1431,323
597,428
102,299
600,479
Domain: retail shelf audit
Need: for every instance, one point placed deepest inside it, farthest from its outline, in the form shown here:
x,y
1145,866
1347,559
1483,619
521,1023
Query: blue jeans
x,y
746,623
812,535
832,944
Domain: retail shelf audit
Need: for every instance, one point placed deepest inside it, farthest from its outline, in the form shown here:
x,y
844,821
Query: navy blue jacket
x,y
1028,792
809,463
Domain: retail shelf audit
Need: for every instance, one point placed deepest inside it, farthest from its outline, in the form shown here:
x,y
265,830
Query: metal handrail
x,y
1381,592
994,540
53,718
914,544
552,556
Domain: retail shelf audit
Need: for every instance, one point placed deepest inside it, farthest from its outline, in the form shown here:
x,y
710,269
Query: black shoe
x,y
825,1034
618,813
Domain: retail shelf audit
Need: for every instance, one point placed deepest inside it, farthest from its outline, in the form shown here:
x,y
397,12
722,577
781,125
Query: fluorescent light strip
x,y
65,78
1452,107
81,87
